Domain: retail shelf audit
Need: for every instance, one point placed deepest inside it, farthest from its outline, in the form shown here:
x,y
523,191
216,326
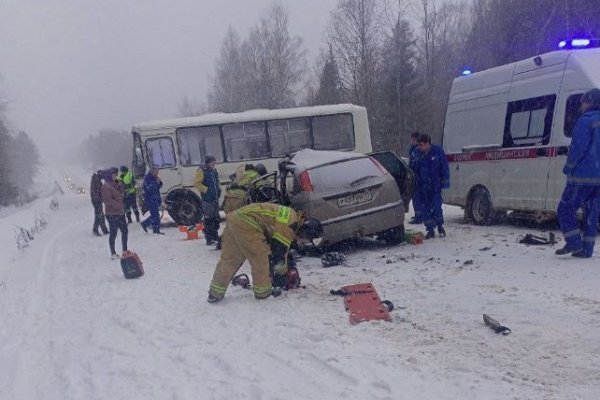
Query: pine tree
x,y
330,85
25,160
8,192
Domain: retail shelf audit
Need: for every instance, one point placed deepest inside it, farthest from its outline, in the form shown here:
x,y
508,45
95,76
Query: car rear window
x,y
344,174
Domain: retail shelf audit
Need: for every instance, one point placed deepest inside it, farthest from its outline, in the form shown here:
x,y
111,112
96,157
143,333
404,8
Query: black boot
x,y
441,231
137,216
430,234
129,221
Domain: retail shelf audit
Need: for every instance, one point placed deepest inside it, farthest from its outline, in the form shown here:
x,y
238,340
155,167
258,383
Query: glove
x,y
280,268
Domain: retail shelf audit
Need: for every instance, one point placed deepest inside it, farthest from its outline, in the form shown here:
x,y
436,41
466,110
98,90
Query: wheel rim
x,y
480,208
187,211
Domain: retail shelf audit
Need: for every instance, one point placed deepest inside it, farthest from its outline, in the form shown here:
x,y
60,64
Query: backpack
x,y
131,265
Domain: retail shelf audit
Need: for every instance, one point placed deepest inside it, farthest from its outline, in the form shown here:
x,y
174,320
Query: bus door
x,y
160,153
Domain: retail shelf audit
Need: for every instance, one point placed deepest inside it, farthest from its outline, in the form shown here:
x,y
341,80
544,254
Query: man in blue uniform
x,y
431,175
152,201
583,181
413,157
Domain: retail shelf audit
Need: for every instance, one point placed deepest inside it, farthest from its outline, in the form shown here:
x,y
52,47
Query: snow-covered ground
x,y
73,328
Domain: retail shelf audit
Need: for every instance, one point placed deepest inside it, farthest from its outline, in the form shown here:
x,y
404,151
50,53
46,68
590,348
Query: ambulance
x,y
508,128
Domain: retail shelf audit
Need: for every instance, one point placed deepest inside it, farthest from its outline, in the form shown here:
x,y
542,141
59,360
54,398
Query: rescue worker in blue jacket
x,y
207,183
413,157
152,201
432,174
583,181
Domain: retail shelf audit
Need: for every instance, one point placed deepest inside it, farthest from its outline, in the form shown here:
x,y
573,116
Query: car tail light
x,y
381,167
305,183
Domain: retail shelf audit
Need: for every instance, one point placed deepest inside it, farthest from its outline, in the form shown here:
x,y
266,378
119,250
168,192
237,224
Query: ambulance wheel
x,y
480,209
185,209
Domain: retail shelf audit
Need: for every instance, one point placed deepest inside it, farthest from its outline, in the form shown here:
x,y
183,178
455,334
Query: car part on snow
x,y
192,231
332,258
538,240
131,265
363,303
495,325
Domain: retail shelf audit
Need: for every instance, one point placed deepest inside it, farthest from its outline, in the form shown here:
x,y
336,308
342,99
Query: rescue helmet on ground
x,y
261,169
592,97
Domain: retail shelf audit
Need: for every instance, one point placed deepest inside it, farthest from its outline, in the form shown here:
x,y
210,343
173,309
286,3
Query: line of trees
x,y
396,58
19,163
108,148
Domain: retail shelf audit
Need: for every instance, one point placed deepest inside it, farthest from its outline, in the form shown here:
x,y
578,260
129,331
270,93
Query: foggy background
x,y
72,67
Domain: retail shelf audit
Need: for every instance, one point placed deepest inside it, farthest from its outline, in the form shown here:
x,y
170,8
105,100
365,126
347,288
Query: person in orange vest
x,y
261,233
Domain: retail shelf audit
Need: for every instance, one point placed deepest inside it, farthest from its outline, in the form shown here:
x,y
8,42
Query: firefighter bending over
x,y
262,234
236,195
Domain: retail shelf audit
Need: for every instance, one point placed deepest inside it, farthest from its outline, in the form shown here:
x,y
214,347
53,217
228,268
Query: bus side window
x,y
196,142
333,132
572,113
529,122
288,135
161,153
247,140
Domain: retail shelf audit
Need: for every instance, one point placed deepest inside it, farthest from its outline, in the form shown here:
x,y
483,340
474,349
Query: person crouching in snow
x,y
261,233
583,181
152,201
112,197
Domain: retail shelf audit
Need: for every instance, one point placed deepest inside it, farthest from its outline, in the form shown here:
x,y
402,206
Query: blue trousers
x,y
154,219
573,198
431,208
417,206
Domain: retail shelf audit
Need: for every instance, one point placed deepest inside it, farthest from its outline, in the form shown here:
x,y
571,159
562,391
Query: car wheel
x,y
394,235
480,208
185,210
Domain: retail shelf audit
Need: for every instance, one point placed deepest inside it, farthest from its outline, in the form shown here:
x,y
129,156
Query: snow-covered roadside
x,y
73,328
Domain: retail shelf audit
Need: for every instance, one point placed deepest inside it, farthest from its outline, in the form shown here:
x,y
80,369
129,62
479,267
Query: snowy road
x,y
73,328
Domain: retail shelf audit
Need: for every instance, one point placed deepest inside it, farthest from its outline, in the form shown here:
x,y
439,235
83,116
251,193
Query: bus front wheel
x,y
185,209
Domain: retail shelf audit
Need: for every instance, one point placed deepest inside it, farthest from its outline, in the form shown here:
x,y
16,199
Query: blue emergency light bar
x,y
466,72
580,43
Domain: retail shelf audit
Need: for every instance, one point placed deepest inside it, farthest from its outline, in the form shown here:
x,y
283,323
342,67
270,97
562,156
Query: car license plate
x,y
354,199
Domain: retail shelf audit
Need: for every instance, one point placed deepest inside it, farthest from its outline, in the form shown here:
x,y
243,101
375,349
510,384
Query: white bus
x,y
508,129
178,146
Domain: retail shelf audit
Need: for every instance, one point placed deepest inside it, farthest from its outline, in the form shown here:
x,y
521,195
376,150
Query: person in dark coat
x,y
413,157
112,197
152,200
583,181
432,174
96,196
207,183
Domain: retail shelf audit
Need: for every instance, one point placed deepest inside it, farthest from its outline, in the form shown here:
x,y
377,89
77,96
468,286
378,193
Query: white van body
x,y
178,146
508,129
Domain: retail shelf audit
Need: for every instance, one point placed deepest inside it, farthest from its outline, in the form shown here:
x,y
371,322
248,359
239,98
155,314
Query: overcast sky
x,y
73,67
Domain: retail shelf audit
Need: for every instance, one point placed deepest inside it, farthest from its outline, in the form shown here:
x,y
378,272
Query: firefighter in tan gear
x,y
236,195
262,234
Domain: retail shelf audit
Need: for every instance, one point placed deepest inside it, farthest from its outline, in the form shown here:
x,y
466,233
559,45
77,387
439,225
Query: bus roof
x,y
247,116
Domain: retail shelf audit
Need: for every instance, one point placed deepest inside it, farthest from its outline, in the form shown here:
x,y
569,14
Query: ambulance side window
x,y
572,113
529,121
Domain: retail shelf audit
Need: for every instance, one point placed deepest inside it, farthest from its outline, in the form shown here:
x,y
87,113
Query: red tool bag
x,y
131,265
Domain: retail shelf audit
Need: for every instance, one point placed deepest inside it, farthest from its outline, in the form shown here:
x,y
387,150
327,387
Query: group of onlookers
x,y
116,191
